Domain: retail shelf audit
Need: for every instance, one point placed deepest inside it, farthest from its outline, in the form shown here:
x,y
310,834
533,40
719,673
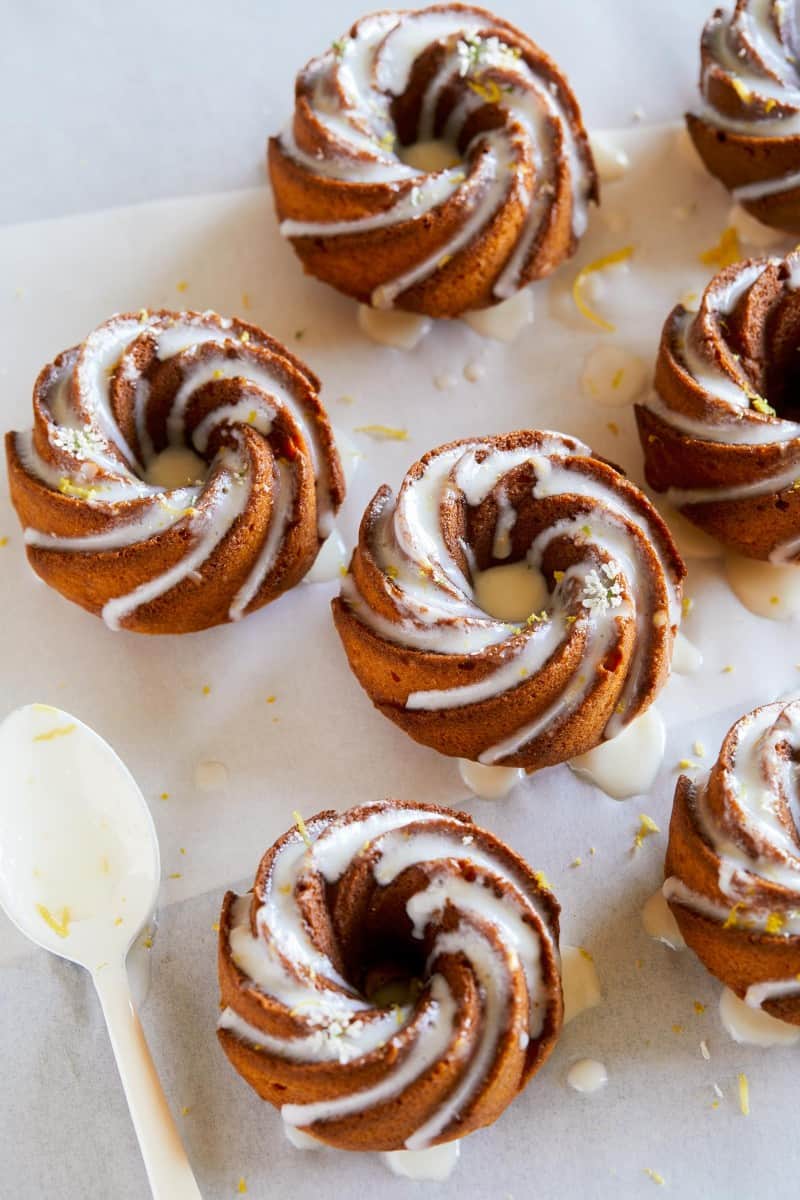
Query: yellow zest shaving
x,y
241,1186
541,880
244,337
383,433
68,488
182,285
215,927
285,889
731,920
686,764
612,427
744,1094
742,91
617,377
3,541
302,828
60,927
218,374
185,1110
699,1007
727,670
59,731
576,862
444,260
774,599
775,922
584,953
175,875
391,571
118,921
558,576
654,1175
599,264
761,406
387,141
271,699
206,689
677,1028
164,796
727,251
687,604
489,91
147,942
647,827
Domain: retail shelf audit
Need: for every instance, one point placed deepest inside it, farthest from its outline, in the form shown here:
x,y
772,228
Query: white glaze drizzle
x,y
437,604
351,93
336,1014
84,440
762,786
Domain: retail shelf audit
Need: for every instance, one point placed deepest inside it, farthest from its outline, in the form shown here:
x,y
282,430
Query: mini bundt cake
x,y
393,979
733,861
453,83
748,129
226,403
721,434
467,684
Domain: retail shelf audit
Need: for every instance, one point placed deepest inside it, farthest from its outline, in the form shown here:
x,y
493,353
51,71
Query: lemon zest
x,y
727,251
744,1094
59,927
599,264
58,731
383,433
489,91
302,828
647,827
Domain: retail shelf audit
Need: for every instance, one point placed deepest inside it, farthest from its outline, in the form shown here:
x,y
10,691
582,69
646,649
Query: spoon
x,y
79,876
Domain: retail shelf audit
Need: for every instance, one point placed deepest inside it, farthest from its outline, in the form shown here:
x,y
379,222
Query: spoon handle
x,y
168,1170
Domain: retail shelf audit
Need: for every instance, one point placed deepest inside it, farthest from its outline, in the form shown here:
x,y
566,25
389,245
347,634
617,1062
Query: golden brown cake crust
x,y
437,243
748,129
164,559
538,692
303,1031
740,921
722,435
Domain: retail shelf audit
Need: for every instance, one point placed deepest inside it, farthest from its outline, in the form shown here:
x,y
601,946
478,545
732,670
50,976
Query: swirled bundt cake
x,y
721,434
217,394
392,981
468,684
508,206
748,129
733,861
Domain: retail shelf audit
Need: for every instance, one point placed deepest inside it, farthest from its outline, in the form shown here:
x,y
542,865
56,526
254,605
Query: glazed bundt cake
x,y
733,861
227,404
721,435
524,694
502,201
748,130
392,981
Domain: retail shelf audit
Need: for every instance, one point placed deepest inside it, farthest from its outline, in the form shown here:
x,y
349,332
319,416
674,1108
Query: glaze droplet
x,y
627,764
587,1075
488,783
392,327
434,1165
659,922
503,322
752,1026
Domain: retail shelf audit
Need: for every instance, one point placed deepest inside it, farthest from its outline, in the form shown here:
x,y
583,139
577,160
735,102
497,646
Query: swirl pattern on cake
x,y
468,684
509,208
748,129
158,559
721,435
733,861
390,899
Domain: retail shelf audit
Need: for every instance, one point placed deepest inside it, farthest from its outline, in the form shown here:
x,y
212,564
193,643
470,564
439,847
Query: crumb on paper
x,y
299,334
576,862
704,1050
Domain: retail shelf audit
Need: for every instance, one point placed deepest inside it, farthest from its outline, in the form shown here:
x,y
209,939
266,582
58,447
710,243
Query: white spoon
x,y
79,875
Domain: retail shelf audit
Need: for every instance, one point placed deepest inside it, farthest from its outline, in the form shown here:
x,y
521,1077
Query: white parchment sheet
x,y
273,700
